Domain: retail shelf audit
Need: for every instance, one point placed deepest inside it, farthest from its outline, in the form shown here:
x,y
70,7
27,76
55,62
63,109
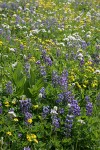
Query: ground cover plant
x,y
49,75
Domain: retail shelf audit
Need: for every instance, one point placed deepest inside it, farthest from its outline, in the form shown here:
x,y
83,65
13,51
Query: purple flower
x,y
27,69
68,125
89,108
75,109
81,62
27,117
9,88
42,71
68,96
27,148
48,61
20,135
42,91
55,121
25,105
60,98
63,80
55,78
83,44
38,62
46,109
87,98
61,110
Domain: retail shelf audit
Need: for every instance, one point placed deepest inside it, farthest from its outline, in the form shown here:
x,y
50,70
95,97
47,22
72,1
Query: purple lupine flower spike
x,y
89,108
9,88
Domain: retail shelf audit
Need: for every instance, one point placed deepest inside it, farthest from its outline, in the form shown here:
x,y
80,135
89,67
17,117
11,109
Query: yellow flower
x,y
6,103
32,59
78,85
35,106
33,136
94,83
36,141
1,43
72,78
29,120
9,133
84,85
89,62
14,101
30,137
16,119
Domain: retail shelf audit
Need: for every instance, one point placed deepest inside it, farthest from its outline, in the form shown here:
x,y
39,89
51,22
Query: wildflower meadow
x,y
49,75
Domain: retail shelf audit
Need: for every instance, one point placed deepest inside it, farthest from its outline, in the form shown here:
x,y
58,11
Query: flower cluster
x,y
25,109
9,88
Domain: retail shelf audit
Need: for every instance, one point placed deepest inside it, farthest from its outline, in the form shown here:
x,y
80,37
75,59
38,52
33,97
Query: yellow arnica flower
x,y
35,140
33,136
16,119
30,137
32,59
6,104
29,120
8,133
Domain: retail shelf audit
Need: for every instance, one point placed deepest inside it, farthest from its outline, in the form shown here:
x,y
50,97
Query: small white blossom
x,y
14,65
97,71
12,113
69,105
40,95
81,121
53,111
55,108
12,49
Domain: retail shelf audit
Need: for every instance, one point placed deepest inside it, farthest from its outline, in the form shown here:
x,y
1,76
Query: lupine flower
x,y
89,108
27,148
27,69
38,62
42,71
55,78
68,125
81,62
55,121
46,109
87,98
28,117
9,88
48,60
75,109
61,110
60,98
42,91
63,80
25,105
83,44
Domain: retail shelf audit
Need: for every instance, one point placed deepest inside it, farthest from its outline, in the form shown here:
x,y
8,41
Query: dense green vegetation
x,y
49,75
